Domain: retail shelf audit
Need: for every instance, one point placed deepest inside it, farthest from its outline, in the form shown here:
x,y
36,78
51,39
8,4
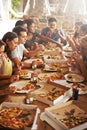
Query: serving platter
x,y
49,76
68,115
22,86
25,74
52,94
45,117
54,59
76,78
53,51
32,59
17,116
81,87
50,68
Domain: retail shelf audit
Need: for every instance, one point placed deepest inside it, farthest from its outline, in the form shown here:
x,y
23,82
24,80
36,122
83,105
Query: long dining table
x,y
21,98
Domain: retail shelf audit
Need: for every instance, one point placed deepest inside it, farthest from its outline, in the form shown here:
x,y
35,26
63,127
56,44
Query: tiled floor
x,y
6,25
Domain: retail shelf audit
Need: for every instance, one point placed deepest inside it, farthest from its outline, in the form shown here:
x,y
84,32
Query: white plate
x,y
45,76
67,49
31,60
50,69
71,77
67,54
82,88
19,86
58,112
25,74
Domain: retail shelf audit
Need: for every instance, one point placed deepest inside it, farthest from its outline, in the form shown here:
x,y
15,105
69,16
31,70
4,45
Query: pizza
x,y
55,76
71,120
25,74
29,86
16,118
49,76
52,95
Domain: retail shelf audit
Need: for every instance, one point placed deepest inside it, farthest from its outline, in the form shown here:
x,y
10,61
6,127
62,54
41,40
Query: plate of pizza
x,y
50,68
68,115
22,86
25,74
17,118
76,78
49,76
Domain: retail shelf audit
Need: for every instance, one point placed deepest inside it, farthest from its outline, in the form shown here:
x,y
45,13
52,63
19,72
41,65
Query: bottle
x,y
34,77
34,65
29,99
75,92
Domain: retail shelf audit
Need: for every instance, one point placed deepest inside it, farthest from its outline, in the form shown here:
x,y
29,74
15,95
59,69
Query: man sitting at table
x,y
34,36
80,56
53,32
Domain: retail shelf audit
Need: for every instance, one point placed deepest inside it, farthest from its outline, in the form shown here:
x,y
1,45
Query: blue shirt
x,y
54,35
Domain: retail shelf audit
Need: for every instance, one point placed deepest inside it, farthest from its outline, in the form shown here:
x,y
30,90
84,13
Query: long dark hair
x,y
18,30
8,36
2,43
29,22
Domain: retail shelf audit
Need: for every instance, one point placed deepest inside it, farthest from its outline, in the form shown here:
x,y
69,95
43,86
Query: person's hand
x,y
19,65
77,57
14,78
35,46
10,90
71,42
58,32
42,47
17,70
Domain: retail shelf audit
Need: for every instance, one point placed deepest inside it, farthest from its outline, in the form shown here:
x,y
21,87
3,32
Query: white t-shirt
x,y
18,52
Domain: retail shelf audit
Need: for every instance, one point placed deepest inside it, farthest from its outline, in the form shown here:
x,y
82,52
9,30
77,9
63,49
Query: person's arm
x,y
17,63
31,53
79,60
9,80
61,35
71,43
4,82
8,90
47,39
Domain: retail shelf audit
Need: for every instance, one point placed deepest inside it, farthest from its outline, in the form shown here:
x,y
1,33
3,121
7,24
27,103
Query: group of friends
x,y
24,41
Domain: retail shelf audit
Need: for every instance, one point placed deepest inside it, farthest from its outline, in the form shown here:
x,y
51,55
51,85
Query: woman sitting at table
x,y
6,67
34,36
15,48
12,50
